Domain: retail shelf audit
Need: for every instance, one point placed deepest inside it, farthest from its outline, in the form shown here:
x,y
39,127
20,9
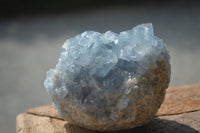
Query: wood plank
x,y
180,100
179,113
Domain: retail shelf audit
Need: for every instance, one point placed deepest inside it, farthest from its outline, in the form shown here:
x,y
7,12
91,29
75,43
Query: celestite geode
x,y
110,81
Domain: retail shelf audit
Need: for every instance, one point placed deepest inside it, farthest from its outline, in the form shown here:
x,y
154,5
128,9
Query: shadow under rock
x,y
157,125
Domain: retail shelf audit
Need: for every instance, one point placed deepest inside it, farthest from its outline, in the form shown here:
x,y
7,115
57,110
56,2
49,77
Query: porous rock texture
x,y
110,81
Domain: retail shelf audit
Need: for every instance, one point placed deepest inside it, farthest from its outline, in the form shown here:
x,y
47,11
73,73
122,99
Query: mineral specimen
x,y
110,81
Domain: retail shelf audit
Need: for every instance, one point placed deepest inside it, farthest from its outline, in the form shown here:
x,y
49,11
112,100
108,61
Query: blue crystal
x,y
94,65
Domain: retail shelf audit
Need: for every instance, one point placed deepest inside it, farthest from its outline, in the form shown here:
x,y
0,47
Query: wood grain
x,y
180,113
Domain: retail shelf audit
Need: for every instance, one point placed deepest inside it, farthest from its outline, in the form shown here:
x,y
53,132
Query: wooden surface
x,y
180,113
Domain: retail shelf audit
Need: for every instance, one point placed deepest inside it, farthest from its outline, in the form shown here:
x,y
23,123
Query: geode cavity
x,y
110,81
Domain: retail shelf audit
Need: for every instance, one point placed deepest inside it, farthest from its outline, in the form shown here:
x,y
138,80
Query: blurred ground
x,y
30,45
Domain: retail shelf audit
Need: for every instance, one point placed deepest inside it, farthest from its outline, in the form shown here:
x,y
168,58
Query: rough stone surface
x,y
110,81
45,119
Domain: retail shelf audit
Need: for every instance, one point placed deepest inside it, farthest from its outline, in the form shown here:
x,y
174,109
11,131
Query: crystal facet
x,y
110,81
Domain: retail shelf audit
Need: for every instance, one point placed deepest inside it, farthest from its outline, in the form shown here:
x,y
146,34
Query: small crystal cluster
x,y
110,81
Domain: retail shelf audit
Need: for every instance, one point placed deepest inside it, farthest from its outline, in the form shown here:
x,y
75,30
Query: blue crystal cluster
x,y
90,81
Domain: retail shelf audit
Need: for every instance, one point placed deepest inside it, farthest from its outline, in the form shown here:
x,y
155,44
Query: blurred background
x,y
32,32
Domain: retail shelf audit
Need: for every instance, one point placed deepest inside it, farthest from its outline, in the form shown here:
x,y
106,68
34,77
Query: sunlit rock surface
x,y
110,81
